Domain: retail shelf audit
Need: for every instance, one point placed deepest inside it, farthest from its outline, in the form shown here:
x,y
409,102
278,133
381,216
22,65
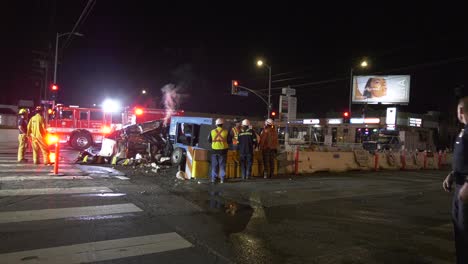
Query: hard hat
x,y
23,111
245,122
269,122
237,120
38,108
219,121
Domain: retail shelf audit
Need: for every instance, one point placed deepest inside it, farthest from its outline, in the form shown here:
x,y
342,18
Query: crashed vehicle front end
x,y
143,143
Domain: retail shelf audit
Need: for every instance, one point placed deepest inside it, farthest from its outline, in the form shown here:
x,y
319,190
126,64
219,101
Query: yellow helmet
x,y
23,111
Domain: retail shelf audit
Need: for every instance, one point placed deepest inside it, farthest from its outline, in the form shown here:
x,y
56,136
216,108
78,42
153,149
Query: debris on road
x,y
144,144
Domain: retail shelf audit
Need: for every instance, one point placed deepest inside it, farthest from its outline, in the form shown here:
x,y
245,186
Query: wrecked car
x,y
140,142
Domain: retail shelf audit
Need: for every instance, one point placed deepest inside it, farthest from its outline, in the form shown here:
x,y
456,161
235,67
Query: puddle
x,y
232,215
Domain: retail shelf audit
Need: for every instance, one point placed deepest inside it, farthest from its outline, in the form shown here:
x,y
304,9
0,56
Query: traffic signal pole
x,y
259,96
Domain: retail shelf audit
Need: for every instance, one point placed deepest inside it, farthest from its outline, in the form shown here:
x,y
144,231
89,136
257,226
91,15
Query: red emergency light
x,y
54,87
138,111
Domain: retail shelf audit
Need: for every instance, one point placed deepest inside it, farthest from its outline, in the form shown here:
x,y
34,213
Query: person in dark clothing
x,y
459,176
247,143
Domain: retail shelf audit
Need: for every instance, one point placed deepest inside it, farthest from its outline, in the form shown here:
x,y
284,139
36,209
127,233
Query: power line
x,y
83,14
421,65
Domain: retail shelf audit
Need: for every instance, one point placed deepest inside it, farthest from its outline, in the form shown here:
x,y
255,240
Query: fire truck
x,y
82,127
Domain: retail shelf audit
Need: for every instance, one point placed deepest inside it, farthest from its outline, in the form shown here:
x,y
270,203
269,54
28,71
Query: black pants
x,y
246,165
269,156
460,226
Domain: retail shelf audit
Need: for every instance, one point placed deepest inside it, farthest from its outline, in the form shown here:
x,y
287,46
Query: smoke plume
x,y
171,99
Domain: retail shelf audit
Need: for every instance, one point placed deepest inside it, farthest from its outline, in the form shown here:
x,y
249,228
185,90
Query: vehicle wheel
x,y
81,141
178,156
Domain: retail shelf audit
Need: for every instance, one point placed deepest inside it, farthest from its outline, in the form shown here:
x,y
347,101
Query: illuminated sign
x,y
390,119
311,121
369,120
392,89
335,121
415,122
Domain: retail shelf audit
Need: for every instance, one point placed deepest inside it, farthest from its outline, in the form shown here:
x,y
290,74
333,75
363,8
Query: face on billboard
x,y
383,89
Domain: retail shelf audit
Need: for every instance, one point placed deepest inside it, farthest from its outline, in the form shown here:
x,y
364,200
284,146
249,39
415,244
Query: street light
x,y
260,63
363,64
143,91
56,49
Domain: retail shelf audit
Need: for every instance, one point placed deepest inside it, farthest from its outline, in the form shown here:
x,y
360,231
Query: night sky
x,y
133,45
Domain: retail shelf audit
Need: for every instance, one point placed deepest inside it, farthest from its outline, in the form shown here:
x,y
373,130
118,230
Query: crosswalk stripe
x,y
48,191
30,165
101,250
47,214
41,170
43,177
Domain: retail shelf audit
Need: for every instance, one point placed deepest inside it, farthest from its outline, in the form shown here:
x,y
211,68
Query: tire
x,y
178,156
81,140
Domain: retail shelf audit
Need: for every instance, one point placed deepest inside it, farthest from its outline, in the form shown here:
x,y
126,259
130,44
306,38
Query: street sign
x,y
288,91
47,102
288,107
243,93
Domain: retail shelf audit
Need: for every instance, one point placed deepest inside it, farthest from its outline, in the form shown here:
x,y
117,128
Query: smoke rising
x,y
171,99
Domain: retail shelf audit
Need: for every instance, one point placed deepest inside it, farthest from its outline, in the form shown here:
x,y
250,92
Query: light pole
x,y
363,64
56,49
260,63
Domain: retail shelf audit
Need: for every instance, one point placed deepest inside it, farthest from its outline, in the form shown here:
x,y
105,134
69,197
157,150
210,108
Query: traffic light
x,y
345,117
234,87
273,114
54,87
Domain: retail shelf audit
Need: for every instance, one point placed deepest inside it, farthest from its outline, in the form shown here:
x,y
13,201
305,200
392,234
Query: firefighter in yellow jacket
x,y
37,132
22,134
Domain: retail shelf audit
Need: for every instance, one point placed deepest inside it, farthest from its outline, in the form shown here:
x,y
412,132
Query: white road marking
x,y
100,250
47,214
48,191
30,165
122,177
40,169
42,177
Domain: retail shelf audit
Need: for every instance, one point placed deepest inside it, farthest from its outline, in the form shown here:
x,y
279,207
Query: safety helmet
x,y
236,120
219,121
245,122
23,111
269,122
38,108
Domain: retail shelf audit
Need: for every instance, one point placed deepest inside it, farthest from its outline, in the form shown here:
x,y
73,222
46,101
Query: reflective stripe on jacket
x,y
219,139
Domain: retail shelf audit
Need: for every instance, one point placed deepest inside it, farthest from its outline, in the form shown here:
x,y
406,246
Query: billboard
x,y
373,89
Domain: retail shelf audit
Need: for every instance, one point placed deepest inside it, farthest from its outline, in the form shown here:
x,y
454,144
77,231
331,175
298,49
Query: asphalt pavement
x,y
105,214
84,216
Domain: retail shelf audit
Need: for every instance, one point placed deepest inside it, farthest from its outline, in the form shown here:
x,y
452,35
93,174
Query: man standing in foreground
x,y
220,140
247,142
459,176
37,132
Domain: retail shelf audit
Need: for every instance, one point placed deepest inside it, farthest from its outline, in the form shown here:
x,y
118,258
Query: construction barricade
x,y
197,164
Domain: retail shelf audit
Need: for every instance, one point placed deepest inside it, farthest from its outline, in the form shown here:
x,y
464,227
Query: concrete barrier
x,y
310,162
197,165
409,161
304,161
